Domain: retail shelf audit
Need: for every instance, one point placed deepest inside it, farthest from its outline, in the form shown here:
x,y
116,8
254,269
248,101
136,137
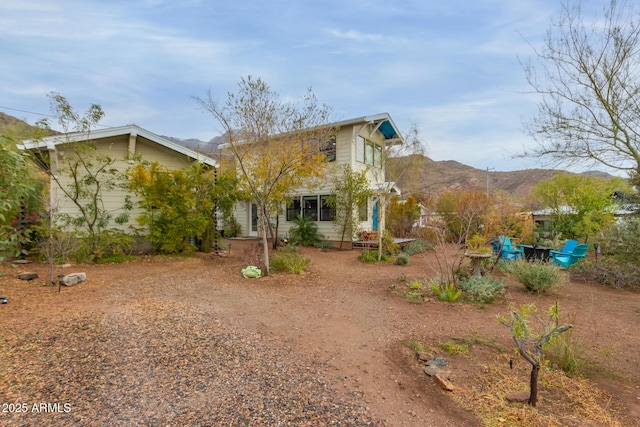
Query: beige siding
x,y
117,148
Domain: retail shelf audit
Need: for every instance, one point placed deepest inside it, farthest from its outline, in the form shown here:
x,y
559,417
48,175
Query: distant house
x,y
357,142
121,143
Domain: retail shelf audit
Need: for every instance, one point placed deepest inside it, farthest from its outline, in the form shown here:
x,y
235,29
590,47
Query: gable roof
x,y
382,122
51,142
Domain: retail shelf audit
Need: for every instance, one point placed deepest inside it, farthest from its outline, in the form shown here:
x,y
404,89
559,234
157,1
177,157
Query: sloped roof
x,y
383,122
51,142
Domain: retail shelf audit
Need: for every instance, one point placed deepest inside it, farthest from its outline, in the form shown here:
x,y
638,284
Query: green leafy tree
x,y
587,76
351,190
581,206
17,188
174,209
275,144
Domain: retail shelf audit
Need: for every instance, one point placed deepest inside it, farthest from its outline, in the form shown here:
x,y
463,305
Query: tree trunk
x,y
265,243
533,385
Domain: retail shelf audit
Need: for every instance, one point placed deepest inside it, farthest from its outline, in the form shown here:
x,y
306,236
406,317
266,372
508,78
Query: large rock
x,y
28,276
73,279
519,396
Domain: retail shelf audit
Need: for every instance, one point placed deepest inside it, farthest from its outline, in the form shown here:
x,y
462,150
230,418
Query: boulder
x,y
519,396
28,276
73,279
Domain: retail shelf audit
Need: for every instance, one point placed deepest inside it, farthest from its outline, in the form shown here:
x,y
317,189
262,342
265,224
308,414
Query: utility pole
x,y
488,169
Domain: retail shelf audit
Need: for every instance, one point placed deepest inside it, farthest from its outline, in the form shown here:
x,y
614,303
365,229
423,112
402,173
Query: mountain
x,y
434,177
195,144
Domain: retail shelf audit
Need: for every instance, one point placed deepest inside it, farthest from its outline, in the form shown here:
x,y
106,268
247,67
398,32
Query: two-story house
x,y
359,142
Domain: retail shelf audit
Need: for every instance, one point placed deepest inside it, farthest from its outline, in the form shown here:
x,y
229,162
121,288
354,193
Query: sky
x,y
451,68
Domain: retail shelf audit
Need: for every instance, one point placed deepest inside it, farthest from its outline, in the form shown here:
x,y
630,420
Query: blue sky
x,y
450,67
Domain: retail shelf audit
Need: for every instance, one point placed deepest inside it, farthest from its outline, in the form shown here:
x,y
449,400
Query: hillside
x,y
435,177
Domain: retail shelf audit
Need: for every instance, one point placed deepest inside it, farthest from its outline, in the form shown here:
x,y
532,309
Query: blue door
x,y
375,216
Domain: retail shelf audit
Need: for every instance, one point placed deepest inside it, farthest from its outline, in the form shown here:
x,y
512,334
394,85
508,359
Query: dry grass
x,y
562,401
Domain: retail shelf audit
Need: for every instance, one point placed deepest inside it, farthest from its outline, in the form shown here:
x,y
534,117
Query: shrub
x,y
536,276
417,247
371,257
322,244
608,272
304,231
401,259
448,293
567,353
482,289
292,262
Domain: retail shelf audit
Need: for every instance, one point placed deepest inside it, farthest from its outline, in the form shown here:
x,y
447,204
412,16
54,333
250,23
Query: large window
x,y
326,212
310,207
329,148
368,152
314,207
360,143
293,209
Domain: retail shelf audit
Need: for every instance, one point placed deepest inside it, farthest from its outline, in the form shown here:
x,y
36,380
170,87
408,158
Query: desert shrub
x,y
567,353
482,289
607,271
417,247
536,276
107,246
401,259
415,285
622,240
448,292
371,257
389,246
292,262
304,231
323,244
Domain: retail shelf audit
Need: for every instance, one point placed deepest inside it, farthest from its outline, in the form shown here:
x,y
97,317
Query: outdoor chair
x,y
564,259
568,247
508,251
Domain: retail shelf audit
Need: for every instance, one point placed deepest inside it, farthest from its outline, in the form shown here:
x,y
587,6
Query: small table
x,y
535,252
476,258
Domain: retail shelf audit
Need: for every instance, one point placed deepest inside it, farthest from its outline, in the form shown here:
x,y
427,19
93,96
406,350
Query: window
x,y
310,207
293,209
368,152
326,213
377,156
329,148
360,149
363,212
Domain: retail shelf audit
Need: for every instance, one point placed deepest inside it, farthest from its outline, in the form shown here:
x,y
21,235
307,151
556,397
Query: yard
x,y
188,341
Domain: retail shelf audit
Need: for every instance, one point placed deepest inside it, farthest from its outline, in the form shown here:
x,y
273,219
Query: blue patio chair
x,y
564,259
508,251
568,247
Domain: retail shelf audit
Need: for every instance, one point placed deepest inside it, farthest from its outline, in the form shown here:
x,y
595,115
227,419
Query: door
x,y
253,230
375,216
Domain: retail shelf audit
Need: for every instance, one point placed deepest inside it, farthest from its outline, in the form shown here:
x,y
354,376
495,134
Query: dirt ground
x,y
341,318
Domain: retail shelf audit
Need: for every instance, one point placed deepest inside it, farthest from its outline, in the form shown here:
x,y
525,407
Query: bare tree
x,y
398,161
588,76
275,144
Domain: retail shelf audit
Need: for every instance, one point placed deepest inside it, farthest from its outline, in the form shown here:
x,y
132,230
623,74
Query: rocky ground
x,y
189,341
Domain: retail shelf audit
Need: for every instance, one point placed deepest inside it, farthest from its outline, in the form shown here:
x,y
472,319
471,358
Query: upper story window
x,y
368,152
328,147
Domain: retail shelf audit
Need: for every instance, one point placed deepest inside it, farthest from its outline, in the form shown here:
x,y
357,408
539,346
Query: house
x,y
357,142
123,144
